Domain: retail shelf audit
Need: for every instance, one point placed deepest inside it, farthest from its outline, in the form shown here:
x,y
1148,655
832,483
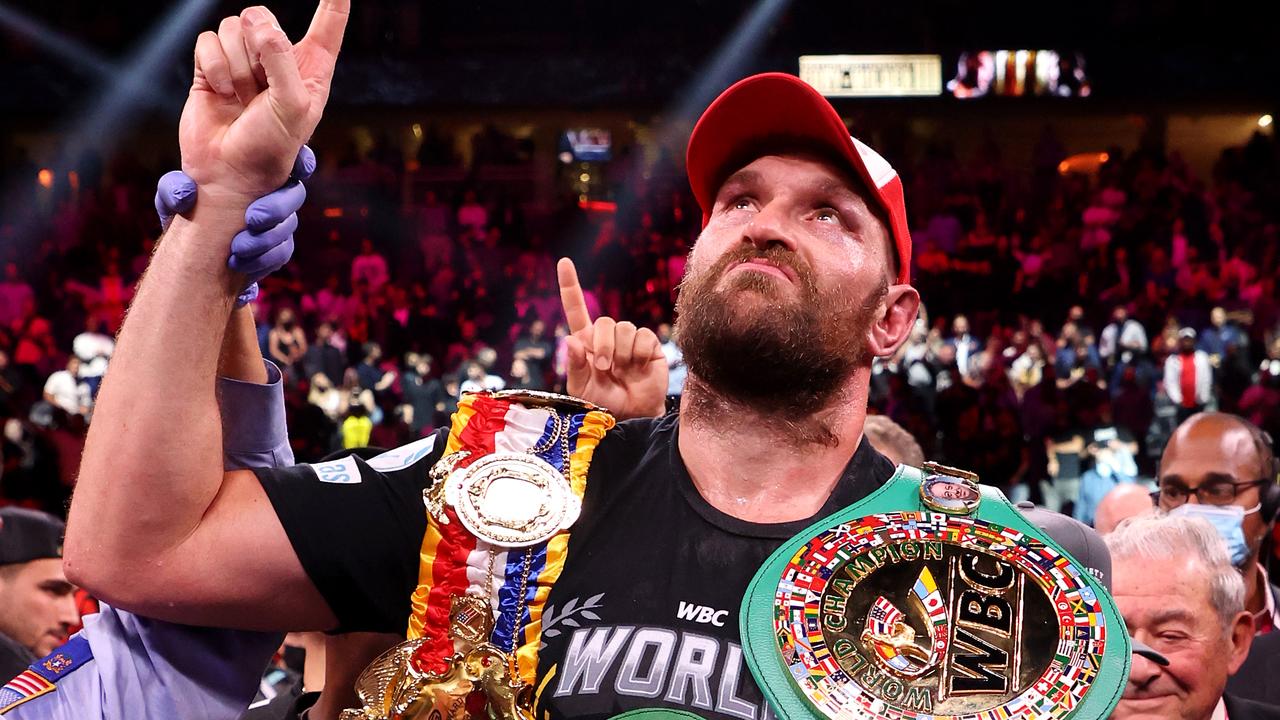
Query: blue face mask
x,y
1228,520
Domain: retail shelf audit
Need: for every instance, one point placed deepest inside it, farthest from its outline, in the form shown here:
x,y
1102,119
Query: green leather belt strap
x,y
1010,625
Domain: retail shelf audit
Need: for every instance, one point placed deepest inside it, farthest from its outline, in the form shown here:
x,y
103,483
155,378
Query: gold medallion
x,y
512,499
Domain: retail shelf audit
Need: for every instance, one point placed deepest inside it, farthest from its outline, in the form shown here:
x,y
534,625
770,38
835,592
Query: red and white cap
x,y
777,104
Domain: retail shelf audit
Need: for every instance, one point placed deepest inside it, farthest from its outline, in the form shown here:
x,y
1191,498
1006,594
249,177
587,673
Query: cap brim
x,y
781,105
1146,651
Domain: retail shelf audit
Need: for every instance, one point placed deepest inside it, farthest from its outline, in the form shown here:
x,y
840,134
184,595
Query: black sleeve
x,y
357,528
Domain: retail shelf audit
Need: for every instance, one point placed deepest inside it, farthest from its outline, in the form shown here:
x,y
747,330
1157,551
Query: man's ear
x,y
900,306
1241,639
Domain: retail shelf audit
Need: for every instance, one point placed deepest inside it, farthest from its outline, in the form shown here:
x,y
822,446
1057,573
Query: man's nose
x,y
770,226
1142,671
68,613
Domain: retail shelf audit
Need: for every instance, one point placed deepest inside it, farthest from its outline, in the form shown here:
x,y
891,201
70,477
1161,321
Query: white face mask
x,y
1228,520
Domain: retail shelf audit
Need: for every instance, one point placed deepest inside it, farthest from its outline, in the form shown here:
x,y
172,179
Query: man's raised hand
x,y
612,364
255,100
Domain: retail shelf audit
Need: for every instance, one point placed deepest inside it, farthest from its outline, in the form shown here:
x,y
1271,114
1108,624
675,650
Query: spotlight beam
x,y
726,63
137,75
61,46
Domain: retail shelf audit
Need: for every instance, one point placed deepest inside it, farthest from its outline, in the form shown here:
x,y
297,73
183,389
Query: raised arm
x,y
156,525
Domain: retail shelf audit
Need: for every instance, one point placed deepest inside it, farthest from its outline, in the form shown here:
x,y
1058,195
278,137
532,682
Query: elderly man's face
x,y
37,607
1165,603
787,280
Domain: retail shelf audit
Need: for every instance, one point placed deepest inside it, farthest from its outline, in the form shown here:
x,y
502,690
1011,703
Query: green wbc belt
x,y
933,598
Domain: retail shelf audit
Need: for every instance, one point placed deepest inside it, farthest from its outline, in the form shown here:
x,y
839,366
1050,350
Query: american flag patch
x,y
42,677
26,686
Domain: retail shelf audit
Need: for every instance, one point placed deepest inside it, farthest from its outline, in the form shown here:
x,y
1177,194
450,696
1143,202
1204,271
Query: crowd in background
x,y
1072,319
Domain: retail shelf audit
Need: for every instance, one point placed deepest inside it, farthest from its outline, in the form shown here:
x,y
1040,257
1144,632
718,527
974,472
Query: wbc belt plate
x,y
932,598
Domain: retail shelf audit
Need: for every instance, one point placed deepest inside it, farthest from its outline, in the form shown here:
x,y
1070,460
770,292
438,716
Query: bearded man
x,y
798,280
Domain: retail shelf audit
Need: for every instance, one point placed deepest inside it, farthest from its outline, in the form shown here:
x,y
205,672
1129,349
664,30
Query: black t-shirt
x,y
645,613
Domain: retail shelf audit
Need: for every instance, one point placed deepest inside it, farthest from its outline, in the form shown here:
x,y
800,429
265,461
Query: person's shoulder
x,y
636,436
1241,709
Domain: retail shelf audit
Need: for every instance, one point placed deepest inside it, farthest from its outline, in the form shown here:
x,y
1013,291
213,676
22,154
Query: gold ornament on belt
x,y
485,496
478,681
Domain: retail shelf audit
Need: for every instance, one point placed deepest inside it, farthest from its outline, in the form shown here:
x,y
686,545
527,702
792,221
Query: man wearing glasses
x,y
1222,468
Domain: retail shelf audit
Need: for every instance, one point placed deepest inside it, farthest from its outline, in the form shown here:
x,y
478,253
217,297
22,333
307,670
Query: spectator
x,y
1123,333
536,352
369,268
521,378
965,344
473,218
1111,454
1120,504
369,370
94,350
326,396
328,303
1027,369
1226,465
286,343
15,294
477,380
422,392
1221,333
323,357
65,390
1178,593
1188,377
37,605
1260,404
356,426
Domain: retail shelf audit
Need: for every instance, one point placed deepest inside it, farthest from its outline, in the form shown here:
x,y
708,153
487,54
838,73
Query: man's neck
x,y
768,467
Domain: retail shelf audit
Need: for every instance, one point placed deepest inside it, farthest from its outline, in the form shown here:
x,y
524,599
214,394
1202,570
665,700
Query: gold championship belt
x,y
502,500
932,598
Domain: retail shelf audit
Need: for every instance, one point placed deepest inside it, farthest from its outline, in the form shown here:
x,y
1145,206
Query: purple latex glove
x,y
266,243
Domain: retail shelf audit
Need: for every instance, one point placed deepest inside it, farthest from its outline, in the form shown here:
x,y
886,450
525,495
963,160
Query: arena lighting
x,y
171,39
66,49
604,206
45,178
1264,121
1083,163
123,90
63,47
728,62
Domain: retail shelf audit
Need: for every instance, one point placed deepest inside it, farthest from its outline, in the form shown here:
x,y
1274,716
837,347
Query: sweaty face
x,y
1165,603
36,605
783,285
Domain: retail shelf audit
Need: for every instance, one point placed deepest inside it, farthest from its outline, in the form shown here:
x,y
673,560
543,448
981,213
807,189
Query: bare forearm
x,y
241,357
153,458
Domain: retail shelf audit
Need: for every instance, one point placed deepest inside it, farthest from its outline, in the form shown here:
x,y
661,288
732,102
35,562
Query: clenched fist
x,y
255,100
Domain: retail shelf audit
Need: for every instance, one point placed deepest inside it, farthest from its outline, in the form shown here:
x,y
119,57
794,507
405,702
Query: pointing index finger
x,y
328,25
571,298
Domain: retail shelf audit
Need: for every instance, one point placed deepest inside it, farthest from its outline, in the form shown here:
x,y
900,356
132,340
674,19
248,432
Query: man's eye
x,y
827,215
741,203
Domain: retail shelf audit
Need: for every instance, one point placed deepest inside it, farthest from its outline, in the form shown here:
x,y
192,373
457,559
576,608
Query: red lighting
x,y
598,206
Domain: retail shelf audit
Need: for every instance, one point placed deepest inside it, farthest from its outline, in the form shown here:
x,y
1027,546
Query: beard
x,y
750,343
